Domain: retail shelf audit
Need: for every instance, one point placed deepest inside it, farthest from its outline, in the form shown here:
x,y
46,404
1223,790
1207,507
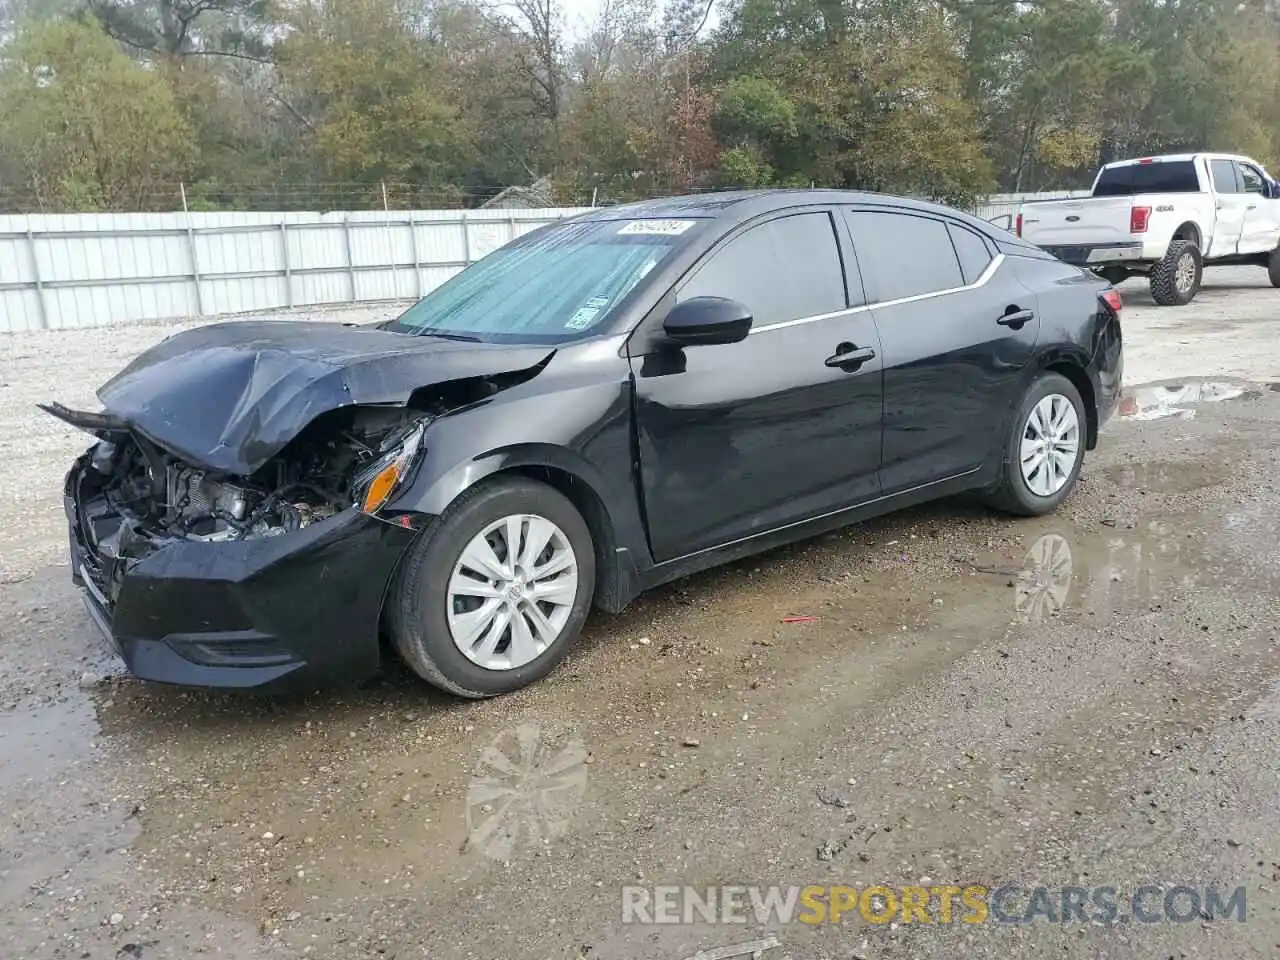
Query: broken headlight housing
x,y
388,475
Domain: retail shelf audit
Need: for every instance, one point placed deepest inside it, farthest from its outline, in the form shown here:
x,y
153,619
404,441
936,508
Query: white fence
x,y
86,270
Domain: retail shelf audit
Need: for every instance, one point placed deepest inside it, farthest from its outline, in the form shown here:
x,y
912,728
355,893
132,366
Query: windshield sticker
x,y
658,228
586,314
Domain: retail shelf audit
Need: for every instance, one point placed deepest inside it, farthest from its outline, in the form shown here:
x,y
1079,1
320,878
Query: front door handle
x,y
1015,318
849,357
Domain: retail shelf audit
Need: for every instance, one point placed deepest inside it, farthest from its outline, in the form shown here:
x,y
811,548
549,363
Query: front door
x,y
739,439
958,332
1261,215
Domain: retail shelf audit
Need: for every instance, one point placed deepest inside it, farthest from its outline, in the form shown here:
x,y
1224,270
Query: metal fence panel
x,y
65,271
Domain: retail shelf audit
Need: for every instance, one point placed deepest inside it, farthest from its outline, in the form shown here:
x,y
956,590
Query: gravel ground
x,y
1089,699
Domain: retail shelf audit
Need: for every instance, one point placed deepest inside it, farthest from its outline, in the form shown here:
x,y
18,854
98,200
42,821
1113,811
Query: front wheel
x,y
494,594
1044,451
1273,267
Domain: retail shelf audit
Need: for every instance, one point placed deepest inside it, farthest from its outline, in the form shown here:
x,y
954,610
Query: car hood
x,y
230,396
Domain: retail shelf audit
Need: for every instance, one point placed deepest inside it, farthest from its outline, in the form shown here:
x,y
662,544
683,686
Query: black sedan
x,y
605,404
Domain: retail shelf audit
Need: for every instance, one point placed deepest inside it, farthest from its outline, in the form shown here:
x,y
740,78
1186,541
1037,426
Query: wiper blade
x,y
446,335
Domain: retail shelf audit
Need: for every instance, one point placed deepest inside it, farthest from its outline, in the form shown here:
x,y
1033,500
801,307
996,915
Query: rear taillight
x,y
1111,297
1138,219
1017,225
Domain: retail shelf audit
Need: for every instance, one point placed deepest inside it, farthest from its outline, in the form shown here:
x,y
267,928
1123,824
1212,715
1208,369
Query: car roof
x,y
735,206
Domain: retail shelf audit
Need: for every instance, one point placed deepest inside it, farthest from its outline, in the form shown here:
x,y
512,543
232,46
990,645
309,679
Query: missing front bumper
x,y
245,613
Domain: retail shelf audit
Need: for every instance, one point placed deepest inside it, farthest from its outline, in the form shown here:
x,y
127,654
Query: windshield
x,y
558,283
1161,176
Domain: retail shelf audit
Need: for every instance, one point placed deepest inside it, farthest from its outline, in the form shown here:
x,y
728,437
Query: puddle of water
x,y
1165,476
1178,398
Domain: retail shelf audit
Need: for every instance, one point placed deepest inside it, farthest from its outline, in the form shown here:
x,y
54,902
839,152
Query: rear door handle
x,y
849,357
1016,318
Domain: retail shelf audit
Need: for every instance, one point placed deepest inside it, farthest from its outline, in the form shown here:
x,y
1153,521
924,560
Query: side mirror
x,y
707,320
1271,189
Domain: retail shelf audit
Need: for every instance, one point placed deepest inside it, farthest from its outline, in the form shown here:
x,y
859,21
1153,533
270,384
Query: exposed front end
x,y
206,580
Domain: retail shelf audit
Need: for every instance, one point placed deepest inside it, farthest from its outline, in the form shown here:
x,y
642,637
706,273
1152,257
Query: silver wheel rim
x,y
1050,445
512,591
1185,275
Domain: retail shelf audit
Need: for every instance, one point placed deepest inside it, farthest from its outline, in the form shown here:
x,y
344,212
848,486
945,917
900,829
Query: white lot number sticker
x,y
658,228
586,314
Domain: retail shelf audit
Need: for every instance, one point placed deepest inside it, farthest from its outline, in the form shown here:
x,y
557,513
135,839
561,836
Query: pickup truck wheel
x,y
1044,451
1273,267
1175,278
494,593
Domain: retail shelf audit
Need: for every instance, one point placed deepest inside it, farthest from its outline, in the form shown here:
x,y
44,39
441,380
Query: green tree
x,y
85,126
367,87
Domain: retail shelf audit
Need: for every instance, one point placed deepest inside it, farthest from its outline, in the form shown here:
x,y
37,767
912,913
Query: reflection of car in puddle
x,y
1153,401
1099,574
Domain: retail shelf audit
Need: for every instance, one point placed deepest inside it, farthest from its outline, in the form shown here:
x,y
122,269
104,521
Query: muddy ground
x,y
1091,700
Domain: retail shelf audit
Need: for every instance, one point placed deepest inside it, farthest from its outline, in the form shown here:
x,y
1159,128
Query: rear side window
x,y
1224,176
1159,176
972,251
782,269
903,255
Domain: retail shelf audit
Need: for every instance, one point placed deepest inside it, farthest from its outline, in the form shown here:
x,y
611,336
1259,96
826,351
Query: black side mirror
x,y
707,320
1270,189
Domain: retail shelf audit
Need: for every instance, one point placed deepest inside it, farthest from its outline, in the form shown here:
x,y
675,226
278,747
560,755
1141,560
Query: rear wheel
x,y
494,594
1044,451
1273,267
1175,278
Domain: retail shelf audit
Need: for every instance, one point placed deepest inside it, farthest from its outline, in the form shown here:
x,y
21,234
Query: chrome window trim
x,y
982,280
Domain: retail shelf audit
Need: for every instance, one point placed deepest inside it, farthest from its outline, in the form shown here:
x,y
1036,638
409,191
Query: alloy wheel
x,y
512,591
1185,275
1050,445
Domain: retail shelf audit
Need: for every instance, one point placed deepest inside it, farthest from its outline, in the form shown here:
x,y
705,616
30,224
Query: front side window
x,y
902,255
559,283
1252,178
781,270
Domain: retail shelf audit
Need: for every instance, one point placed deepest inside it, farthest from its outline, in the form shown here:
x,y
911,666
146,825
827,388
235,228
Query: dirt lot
x,y
1088,700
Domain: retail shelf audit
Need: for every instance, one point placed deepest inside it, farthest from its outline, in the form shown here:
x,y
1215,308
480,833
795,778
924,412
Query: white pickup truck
x,y
1167,218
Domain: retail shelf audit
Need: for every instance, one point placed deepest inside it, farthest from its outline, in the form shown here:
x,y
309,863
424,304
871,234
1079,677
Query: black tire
x,y
1164,286
417,608
1012,494
1273,267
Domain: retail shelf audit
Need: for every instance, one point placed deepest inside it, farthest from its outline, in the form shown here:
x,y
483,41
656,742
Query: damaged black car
x,y
605,404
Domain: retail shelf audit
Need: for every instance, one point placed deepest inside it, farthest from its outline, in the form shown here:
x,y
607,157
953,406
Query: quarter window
x,y
903,255
972,250
781,270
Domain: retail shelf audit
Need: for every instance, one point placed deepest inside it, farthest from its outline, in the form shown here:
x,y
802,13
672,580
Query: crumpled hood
x,y
230,396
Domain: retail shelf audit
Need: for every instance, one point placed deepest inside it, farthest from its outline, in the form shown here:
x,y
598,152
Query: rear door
x,y
739,439
958,329
1230,204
